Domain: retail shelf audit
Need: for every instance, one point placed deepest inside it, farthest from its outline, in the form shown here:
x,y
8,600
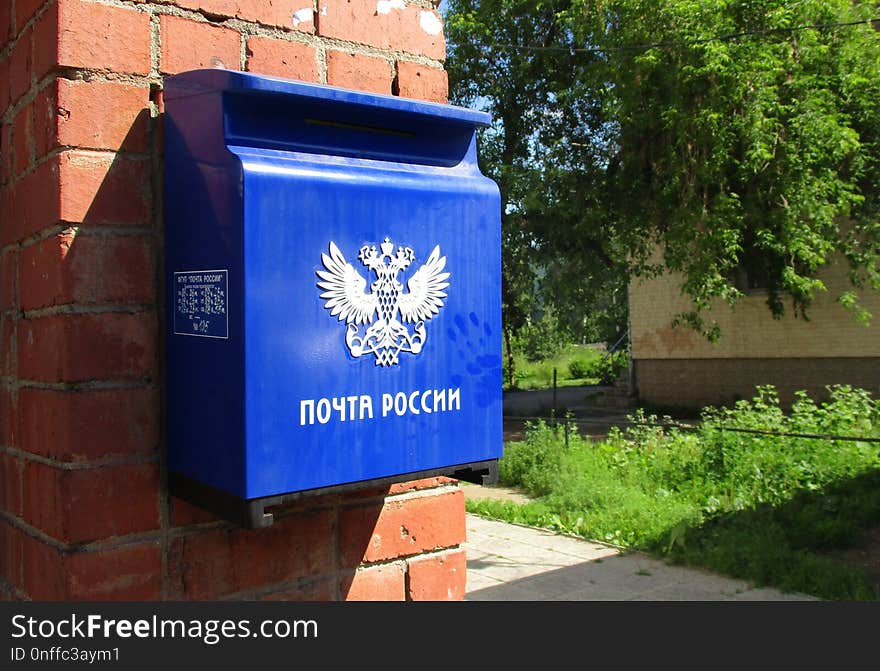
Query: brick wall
x,y
676,366
696,383
84,510
748,329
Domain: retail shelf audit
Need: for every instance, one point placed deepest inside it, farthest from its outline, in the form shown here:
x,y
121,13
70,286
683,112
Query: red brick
x,y
9,420
98,36
11,554
79,347
22,135
281,13
45,119
45,43
8,227
312,502
76,114
34,202
225,561
438,577
10,483
90,424
375,583
126,573
184,514
5,26
8,338
71,268
188,45
402,527
20,67
42,570
7,156
364,495
320,589
25,11
77,34
83,505
418,485
218,8
413,29
4,85
422,82
356,71
100,188
277,58
8,274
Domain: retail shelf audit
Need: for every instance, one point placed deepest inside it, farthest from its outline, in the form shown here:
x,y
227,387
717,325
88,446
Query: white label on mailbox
x,y
201,303
387,304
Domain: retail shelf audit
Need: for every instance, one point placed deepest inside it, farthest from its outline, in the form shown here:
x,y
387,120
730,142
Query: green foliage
x,y
744,138
762,147
605,369
579,368
755,506
541,339
539,151
568,360
610,367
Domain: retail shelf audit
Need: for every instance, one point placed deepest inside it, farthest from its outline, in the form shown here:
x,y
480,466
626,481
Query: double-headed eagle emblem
x,y
386,308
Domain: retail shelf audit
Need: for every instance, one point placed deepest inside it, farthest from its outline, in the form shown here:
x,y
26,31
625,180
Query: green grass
x,y
539,374
760,508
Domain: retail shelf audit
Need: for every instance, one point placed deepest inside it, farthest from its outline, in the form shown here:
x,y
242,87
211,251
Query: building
x,y
675,367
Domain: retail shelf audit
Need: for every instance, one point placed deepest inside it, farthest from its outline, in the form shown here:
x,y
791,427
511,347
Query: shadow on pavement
x,y
508,562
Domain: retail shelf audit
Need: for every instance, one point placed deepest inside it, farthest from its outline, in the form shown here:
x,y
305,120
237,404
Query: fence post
x,y
566,431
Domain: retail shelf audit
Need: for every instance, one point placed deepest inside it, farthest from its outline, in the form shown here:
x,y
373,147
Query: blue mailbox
x,y
332,274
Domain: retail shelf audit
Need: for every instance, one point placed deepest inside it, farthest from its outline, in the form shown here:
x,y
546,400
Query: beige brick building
x,y
678,367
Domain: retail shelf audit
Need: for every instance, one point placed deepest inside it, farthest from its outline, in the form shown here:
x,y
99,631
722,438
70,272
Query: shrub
x,y
542,339
608,368
580,369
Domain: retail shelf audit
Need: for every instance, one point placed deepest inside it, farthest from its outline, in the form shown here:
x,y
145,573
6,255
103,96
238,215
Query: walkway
x,y
509,562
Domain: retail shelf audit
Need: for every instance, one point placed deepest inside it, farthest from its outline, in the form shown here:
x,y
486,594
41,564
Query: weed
x,y
757,507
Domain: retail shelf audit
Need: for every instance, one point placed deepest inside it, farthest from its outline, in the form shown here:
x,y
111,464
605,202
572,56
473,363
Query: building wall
x,y
675,366
84,508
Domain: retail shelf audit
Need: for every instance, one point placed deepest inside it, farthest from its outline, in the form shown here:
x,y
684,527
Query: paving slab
x,y
511,562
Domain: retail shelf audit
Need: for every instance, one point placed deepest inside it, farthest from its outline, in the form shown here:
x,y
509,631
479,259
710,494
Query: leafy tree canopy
x,y
721,133
557,266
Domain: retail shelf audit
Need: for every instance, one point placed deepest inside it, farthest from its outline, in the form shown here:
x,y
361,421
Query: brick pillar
x,y
84,509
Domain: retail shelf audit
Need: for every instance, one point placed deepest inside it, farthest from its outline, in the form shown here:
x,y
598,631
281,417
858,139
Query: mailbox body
x,y
332,270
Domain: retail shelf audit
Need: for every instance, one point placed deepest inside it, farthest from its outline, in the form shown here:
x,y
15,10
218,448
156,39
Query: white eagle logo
x,y
386,303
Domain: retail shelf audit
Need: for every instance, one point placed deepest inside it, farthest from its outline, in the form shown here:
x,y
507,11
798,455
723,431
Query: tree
x,y
540,152
719,133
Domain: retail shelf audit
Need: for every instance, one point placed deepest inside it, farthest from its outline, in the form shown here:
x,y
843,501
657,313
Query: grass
x,y
574,364
756,507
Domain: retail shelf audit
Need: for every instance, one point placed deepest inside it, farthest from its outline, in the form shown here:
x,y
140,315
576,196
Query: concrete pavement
x,y
509,562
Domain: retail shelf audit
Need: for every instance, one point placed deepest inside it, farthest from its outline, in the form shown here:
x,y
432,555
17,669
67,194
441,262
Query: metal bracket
x,y
252,513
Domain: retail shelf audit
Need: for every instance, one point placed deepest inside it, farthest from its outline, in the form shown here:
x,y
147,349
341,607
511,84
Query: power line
x,y
875,22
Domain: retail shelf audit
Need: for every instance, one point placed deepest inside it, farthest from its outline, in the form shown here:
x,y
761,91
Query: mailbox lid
x,y
268,112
